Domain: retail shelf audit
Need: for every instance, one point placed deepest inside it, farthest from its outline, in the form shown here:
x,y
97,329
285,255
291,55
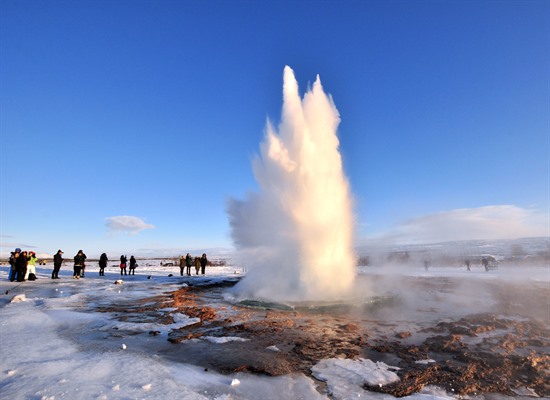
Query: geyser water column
x,y
295,235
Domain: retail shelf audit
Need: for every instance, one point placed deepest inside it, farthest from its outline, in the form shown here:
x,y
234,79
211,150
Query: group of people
x,y
79,261
22,265
188,261
78,268
123,262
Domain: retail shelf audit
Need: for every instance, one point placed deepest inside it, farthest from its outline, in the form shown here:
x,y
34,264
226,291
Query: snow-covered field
x,y
54,347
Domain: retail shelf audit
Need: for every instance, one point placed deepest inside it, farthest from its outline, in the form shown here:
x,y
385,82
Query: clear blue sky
x,y
154,109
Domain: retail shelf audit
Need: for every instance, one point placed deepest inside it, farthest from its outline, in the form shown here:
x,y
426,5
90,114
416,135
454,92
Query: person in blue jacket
x,y
13,269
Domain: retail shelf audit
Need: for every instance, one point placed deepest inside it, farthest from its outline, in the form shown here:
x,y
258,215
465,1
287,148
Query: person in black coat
x,y
79,261
133,265
21,266
204,261
13,258
102,264
57,261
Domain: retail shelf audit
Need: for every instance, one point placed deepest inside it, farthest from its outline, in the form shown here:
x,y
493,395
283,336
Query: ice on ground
x,y
345,376
428,361
225,339
18,298
345,379
53,347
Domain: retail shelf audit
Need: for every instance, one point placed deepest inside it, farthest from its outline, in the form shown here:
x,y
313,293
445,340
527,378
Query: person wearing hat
x,y
57,261
13,258
31,266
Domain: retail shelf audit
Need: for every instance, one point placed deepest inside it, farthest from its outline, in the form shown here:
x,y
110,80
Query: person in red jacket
x,y
123,261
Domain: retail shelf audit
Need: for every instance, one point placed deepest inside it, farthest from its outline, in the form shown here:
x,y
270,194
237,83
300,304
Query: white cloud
x,y
490,222
126,224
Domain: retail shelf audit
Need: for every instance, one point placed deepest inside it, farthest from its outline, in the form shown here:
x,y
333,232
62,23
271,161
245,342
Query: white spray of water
x,y
295,236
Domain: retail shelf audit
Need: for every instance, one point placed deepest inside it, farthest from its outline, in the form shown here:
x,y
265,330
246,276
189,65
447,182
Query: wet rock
x,y
479,353
492,365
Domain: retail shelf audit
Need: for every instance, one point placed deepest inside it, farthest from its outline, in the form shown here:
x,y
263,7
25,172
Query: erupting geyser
x,y
295,236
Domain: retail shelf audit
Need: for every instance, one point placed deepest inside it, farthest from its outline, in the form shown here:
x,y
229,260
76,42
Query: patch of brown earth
x,y
514,356
480,353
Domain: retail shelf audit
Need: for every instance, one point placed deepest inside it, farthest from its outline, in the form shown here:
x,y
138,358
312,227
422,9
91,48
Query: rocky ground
x,y
503,351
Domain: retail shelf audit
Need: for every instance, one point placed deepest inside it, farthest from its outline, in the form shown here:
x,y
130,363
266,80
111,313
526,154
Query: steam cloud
x,y
295,236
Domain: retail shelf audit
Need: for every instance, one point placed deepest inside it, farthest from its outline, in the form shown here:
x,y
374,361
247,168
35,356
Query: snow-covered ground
x,y
54,347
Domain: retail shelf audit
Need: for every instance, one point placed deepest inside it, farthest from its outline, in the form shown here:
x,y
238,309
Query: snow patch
x,y
345,377
525,391
224,339
424,362
18,298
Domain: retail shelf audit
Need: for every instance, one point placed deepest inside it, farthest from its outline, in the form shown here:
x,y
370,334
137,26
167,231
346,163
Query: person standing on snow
x,y
188,263
182,265
57,261
102,264
83,269
79,261
123,261
204,263
21,266
133,265
13,258
31,267
197,265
